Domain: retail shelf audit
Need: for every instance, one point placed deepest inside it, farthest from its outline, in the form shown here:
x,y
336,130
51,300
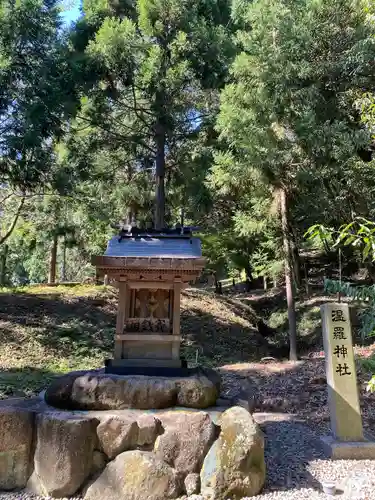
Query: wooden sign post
x,y
347,440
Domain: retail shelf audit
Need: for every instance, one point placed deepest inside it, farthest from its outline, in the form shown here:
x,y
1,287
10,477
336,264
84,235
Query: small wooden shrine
x,y
150,268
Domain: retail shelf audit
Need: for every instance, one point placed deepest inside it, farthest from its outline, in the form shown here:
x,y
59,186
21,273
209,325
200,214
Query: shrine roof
x,y
154,246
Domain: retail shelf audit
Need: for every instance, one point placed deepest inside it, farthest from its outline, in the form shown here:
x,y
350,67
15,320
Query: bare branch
x,y
6,198
123,138
13,225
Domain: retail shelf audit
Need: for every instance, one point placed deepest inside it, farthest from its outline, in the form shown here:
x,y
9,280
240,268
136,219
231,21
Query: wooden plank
x,y
151,284
176,319
121,315
148,338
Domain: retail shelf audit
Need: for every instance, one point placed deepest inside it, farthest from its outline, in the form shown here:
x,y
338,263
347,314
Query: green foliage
x,y
290,116
360,234
37,92
361,294
242,101
155,73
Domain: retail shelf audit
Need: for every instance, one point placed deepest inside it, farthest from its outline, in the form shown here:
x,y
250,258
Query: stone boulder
x,y
59,391
99,461
63,457
187,437
234,466
117,434
197,392
16,436
135,475
149,428
95,390
107,392
192,484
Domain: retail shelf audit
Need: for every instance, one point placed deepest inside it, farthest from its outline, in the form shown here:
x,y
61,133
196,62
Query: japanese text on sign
x,y
340,350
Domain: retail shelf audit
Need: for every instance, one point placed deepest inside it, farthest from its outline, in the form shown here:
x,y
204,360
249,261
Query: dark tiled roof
x,y
183,248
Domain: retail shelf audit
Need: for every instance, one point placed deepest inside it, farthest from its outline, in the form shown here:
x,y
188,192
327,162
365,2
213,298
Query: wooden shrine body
x,y
148,317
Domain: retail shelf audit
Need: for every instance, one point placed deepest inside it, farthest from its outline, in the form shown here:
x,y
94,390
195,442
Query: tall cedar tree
x,y
290,111
158,65
37,96
36,91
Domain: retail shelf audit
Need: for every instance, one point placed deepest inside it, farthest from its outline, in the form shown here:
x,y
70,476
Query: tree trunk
x,y
296,261
3,264
296,265
160,175
288,276
307,290
216,281
52,261
249,278
63,264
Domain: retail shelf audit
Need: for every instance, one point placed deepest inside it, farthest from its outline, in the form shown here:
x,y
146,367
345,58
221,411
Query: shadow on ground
x,y
289,447
68,327
293,388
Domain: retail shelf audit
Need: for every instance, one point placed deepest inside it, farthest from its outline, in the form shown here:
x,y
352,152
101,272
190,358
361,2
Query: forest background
x,y
253,120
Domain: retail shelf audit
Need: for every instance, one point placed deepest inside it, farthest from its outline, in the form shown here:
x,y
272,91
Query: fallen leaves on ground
x,y
298,388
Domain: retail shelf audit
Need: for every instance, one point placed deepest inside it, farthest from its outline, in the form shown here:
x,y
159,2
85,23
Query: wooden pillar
x,y
176,319
121,316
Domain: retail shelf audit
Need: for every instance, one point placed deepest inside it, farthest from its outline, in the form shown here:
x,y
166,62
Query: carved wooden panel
x,y
151,304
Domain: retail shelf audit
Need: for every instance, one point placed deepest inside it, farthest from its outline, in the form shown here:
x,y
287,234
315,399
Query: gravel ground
x,y
296,466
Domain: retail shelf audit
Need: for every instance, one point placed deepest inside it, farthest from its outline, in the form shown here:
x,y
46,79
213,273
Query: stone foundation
x,y
97,390
123,454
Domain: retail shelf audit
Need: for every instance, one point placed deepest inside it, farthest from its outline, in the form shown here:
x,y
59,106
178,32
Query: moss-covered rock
x,y
135,475
234,467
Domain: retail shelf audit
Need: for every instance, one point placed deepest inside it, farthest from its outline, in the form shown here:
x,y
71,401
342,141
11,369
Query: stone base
x,y
123,454
349,450
95,390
